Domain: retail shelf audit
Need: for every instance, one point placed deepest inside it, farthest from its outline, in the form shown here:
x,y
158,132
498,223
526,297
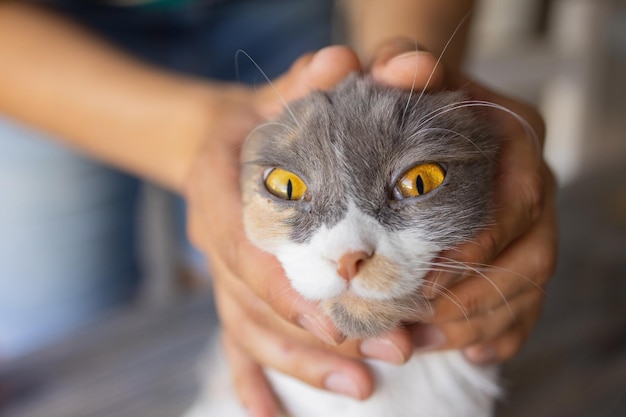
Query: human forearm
x,y
61,79
427,22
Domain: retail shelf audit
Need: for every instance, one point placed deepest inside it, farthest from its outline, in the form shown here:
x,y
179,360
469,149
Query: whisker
x,y
490,281
440,129
443,51
481,103
487,268
447,291
282,99
408,100
281,292
294,303
424,301
461,308
272,123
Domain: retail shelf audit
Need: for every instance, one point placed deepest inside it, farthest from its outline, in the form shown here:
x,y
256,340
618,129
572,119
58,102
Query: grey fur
x,y
353,142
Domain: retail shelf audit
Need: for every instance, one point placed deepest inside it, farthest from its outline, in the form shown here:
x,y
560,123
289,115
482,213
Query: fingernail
x,y
342,384
480,355
313,325
383,349
427,336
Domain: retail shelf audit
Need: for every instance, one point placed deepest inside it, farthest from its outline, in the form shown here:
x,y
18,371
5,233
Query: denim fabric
x,y
67,224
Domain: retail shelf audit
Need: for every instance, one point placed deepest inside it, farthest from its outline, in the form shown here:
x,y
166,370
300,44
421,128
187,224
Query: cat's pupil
x,y
419,182
289,189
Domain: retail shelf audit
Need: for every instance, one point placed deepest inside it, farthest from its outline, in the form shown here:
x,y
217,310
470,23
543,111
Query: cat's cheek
x,y
379,279
314,278
266,226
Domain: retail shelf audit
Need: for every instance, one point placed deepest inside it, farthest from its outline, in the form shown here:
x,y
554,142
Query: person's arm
x,y
184,133
430,24
181,132
490,328
58,77
501,301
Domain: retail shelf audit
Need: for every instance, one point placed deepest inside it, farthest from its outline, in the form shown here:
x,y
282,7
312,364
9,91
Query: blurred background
x,y
566,56
569,58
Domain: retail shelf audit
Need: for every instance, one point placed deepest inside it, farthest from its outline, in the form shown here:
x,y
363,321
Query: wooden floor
x,y
141,363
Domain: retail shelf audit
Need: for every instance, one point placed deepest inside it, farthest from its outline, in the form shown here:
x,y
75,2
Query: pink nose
x,y
349,264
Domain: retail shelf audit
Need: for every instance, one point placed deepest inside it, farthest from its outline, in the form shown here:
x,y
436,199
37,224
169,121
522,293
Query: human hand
x,y
262,316
488,307
246,278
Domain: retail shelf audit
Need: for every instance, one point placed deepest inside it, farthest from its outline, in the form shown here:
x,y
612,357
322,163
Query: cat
x,y
356,191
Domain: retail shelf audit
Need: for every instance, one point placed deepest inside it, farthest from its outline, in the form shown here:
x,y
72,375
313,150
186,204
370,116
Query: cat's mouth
x,y
357,317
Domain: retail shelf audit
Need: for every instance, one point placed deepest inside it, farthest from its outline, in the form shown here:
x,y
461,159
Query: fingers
x,y
524,182
252,388
517,312
502,348
215,226
525,265
490,313
278,347
400,63
321,70
237,303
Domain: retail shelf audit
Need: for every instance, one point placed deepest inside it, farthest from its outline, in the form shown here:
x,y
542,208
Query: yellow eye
x,y
419,180
284,184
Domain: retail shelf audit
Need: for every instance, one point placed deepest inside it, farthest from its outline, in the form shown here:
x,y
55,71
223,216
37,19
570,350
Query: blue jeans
x,y
67,223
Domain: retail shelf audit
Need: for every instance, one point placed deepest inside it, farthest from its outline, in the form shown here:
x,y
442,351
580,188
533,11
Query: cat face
x,y
357,191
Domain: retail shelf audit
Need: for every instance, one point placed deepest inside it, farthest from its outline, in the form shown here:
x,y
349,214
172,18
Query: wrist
x,y
206,115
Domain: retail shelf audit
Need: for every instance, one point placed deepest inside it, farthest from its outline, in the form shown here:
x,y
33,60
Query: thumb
x,y
321,70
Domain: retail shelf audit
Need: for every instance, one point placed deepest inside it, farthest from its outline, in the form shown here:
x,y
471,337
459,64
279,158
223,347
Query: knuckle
x,y
483,249
531,192
535,309
543,261
490,243
287,348
511,344
470,304
463,334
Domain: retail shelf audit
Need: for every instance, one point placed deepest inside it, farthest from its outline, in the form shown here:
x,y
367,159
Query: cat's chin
x,y
361,318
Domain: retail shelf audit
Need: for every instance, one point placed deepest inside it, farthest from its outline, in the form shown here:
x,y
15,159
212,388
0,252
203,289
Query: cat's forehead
x,y
361,125
370,133
351,145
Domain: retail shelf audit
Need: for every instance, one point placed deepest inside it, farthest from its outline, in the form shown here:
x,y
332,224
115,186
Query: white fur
x,y
410,390
429,385
312,267
440,384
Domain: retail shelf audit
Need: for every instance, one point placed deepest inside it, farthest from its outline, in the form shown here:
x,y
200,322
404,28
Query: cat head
x,y
357,190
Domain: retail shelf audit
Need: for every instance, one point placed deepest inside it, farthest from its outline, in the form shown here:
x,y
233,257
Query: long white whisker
x,y
439,129
493,284
461,308
486,268
447,291
480,103
443,51
282,99
263,125
408,100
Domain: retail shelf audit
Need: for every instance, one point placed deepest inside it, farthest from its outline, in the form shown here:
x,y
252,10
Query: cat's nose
x,y
349,264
